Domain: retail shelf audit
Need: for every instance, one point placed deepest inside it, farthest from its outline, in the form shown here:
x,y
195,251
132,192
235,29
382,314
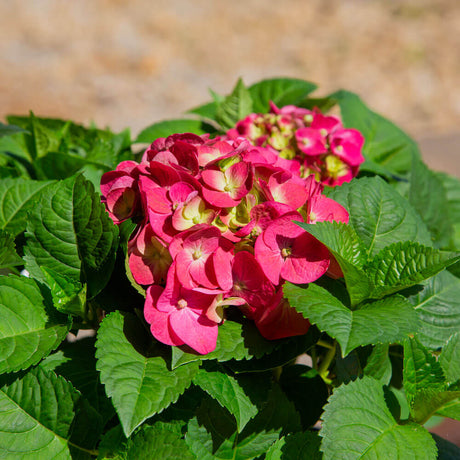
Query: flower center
x,y
182,303
286,252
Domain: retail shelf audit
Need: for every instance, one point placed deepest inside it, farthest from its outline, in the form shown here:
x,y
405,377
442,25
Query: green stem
x,y
91,452
323,369
314,358
324,344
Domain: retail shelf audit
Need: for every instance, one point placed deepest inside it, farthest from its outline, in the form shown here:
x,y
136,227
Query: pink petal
x,y
214,179
326,209
270,260
310,141
197,331
159,321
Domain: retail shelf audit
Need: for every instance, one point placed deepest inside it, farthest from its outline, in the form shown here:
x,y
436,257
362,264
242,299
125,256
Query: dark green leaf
x,y
140,385
159,441
227,392
234,107
383,321
297,446
281,91
168,127
428,196
385,144
28,332
357,424
300,383
438,309
446,449
378,364
8,130
69,232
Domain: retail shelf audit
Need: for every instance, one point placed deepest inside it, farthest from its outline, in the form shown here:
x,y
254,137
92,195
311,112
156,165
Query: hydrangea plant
x,y
274,276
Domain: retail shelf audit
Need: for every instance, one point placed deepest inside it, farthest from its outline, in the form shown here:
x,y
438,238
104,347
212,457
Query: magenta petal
x,y
178,193
219,199
270,260
141,272
310,141
214,178
222,264
197,331
327,209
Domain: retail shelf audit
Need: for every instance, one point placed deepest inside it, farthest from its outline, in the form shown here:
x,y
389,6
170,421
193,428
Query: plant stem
x,y
323,369
324,344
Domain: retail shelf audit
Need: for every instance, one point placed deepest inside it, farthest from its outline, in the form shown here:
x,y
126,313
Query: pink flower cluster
x,y
313,143
215,228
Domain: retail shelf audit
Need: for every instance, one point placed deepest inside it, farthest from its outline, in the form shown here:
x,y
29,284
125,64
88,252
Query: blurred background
x,y
129,64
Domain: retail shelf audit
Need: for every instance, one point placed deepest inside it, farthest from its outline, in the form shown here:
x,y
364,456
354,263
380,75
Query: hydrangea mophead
x,y
215,221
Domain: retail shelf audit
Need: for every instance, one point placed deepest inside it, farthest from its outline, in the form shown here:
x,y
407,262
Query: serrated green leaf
x,y
199,440
385,143
298,446
383,321
424,382
428,196
227,392
357,424
299,383
18,197
27,331
401,265
69,232
438,309
8,254
378,364
379,214
57,165
234,107
349,251
450,409
113,444
207,111
421,370
450,358
139,385
36,416
168,127
281,91
159,441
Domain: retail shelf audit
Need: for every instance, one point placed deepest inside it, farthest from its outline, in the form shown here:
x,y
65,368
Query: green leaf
x,y
349,251
139,385
28,332
401,265
168,127
438,309
57,165
450,409
421,370
378,364
428,196
8,254
159,441
36,416
69,232
234,107
357,424
8,130
299,383
298,446
228,393
379,214
79,367
113,444
382,321
385,143
424,382
281,91
69,296
450,358
17,198
207,111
